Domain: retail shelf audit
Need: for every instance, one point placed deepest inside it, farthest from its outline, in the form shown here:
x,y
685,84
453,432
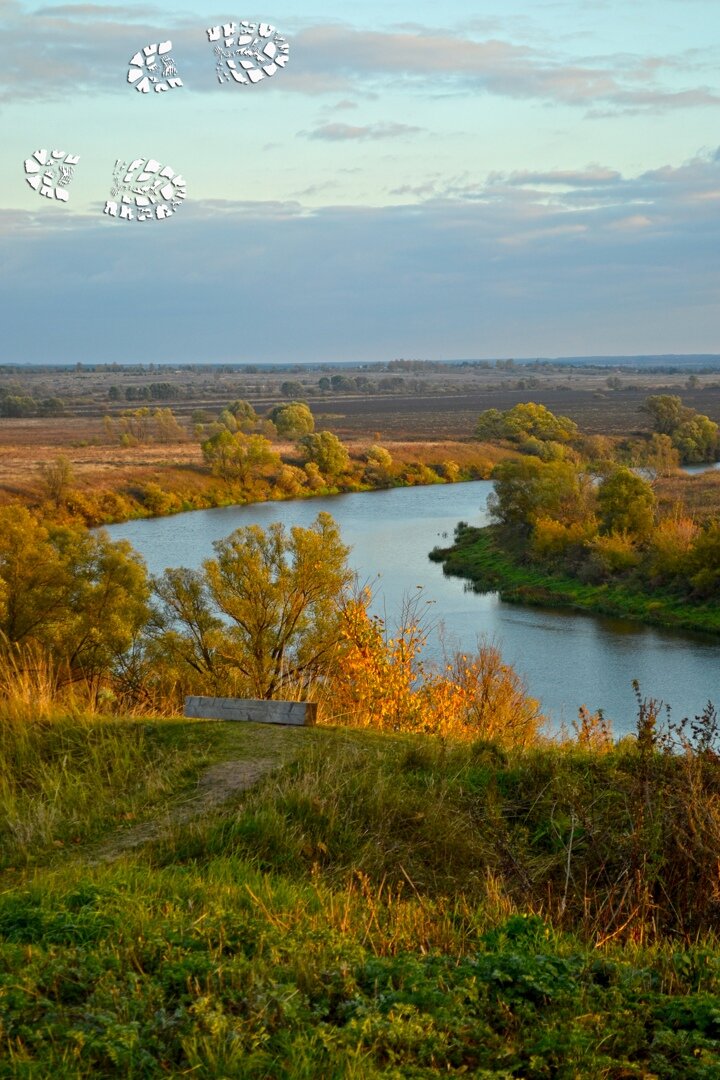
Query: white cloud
x,y
87,46
351,132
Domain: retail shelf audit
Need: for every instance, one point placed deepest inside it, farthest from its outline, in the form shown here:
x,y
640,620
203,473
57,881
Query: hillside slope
x,y
372,906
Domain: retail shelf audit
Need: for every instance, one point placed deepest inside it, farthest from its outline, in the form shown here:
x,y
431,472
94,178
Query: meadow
x,y
376,905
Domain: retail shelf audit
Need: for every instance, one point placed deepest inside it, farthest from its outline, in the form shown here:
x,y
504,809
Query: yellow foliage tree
x,y
383,682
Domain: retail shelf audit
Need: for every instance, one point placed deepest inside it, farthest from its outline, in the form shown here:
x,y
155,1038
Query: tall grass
x,y
384,905
64,780
618,844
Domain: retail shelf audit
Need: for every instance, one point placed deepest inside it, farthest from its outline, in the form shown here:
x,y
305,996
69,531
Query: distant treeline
x,y
700,363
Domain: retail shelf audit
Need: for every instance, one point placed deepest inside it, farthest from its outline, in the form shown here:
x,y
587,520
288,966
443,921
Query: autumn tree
x,y
666,411
78,596
378,466
292,420
523,421
659,457
532,419
239,457
262,618
327,452
57,479
626,504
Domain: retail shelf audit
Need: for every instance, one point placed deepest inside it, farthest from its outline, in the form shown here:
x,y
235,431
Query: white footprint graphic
x,y
153,68
50,172
247,52
144,190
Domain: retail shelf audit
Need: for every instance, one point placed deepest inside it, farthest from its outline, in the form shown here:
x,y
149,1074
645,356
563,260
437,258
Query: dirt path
x,y
217,785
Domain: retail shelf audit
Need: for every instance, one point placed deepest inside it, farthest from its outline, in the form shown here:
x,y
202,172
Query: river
x,y
567,659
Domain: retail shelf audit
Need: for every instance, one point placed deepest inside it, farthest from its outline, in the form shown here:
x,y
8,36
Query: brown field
x,y
429,418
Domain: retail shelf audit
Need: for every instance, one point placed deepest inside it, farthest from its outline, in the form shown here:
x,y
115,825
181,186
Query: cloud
x,y
623,83
350,132
86,47
58,51
590,177
496,268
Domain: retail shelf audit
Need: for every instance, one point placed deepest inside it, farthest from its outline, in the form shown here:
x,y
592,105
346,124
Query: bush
x,y
615,553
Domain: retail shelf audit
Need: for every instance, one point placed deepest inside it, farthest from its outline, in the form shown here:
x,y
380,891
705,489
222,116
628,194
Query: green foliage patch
x,y
492,562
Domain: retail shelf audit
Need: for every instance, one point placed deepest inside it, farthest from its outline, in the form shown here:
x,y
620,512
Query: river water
x,y
568,659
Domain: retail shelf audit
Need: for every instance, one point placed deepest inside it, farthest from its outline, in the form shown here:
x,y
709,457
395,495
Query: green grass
x,y
378,906
481,556
65,782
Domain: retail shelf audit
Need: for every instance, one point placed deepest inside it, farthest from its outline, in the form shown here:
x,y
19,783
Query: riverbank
x,y
484,557
109,485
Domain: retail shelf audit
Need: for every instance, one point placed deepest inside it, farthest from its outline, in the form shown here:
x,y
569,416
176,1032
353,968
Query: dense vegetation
x,y
274,613
380,906
247,458
577,525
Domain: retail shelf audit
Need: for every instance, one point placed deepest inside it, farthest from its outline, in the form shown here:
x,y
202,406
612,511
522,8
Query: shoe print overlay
x,y
153,68
247,52
50,172
144,190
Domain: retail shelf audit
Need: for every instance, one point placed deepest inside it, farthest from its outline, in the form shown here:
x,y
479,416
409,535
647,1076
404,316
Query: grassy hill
x,y
197,899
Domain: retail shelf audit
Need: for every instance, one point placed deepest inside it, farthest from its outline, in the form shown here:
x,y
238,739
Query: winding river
x,y
567,659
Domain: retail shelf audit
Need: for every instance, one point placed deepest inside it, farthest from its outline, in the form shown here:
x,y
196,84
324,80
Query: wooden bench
x,y
293,713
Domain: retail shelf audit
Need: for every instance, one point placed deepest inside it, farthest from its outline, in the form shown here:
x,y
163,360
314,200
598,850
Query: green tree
x,y
240,457
696,439
626,504
327,452
342,382
51,406
527,489
491,425
80,597
244,413
704,562
263,617
292,420
17,405
666,411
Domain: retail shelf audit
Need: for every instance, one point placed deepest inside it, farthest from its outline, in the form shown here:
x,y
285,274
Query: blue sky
x,y
425,180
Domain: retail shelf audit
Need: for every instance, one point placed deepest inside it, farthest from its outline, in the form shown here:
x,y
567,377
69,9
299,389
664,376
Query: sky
x,y
435,181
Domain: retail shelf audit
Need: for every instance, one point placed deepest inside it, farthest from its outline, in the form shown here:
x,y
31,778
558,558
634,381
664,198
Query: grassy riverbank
x,y
107,485
492,563
377,905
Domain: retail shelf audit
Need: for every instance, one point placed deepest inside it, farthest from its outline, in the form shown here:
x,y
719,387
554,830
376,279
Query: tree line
x,y
573,506
274,613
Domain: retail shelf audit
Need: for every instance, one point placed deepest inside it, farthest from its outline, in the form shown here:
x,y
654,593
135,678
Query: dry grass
x,y
700,495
